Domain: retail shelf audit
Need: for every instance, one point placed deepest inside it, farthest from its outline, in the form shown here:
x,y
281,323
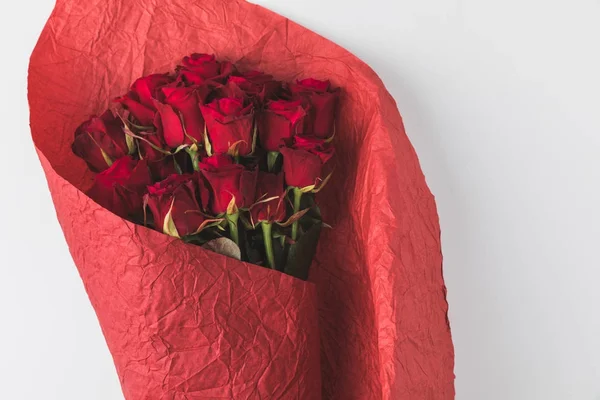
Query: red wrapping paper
x,y
184,323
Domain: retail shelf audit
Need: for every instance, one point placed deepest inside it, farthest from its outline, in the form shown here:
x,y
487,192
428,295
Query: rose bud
x,y
151,146
281,119
228,90
269,203
216,162
227,180
210,164
160,101
303,161
179,120
313,144
121,187
186,101
174,205
140,99
168,123
199,68
256,85
230,126
323,101
100,140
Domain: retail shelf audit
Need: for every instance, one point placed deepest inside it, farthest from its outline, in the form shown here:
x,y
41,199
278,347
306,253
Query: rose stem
x,y
297,198
267,237
232,220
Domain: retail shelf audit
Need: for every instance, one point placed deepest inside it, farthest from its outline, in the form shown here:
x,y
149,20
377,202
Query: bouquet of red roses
x,y
170,199
221,158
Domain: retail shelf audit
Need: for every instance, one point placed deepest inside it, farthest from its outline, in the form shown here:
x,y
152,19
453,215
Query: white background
x,y
501,100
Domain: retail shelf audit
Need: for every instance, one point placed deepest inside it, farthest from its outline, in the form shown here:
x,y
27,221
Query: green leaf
x,y
130,144
254,135
193,153
107,159
207,145
293,218
129,132
140,127
272,157
208,223
169,225
234,149
232,207
307,189
330,139
178,149
323,183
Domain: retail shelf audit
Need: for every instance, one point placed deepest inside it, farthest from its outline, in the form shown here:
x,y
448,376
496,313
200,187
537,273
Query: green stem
x,y
297,199
272,160
267,237
232,221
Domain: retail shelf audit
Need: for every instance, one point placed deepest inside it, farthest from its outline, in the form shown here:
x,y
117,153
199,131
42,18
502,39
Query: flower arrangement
x,y
221,158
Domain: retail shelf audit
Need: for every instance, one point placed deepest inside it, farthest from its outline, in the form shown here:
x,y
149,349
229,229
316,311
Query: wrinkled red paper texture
x,y
184,323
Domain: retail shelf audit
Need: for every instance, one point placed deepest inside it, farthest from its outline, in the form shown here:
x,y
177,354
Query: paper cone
x,y
184,323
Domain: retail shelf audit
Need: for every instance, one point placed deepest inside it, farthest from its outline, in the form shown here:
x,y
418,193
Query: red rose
x,y
149,144
186,101
174,205
228,90
199,68
168,123
158,100
227,180
323,101
281,119
315,145
303,161
100,140
140,99
256,85
229,123
268,186
163,168
216,162
121,187
161,165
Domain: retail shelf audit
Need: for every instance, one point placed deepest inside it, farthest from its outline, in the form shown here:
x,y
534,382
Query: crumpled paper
x,y
184,323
